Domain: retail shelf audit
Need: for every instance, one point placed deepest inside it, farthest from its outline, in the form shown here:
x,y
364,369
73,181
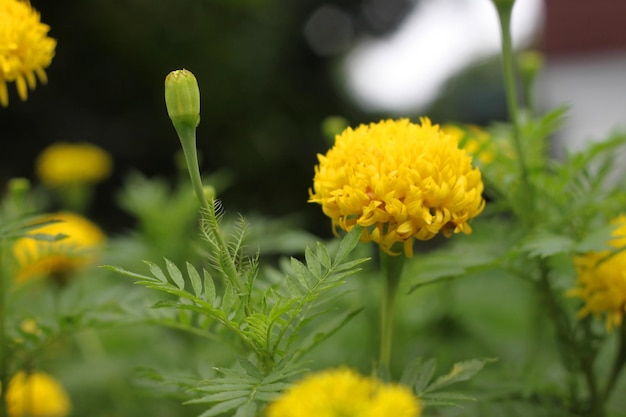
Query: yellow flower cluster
x,y
399,180
25,48
71,163
601,280
36,395
58,258
344,392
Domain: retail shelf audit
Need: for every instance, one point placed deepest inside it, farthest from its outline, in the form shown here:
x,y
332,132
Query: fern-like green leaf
x,y
175,274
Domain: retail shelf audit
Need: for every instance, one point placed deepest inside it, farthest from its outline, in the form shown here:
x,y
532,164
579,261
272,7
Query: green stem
x,y
505,10
187,136
618,365
4,372
392,271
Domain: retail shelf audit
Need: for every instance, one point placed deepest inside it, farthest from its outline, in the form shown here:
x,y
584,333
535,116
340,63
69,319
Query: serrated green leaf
x,y
156,271
247,410
221,396
323,256
328,329
175,273
420,373
209,288
222,408
348,243
294,287
228,299
546,244
250,368
123,271
301,273
312,262
597,240
196,281
461,371
221,384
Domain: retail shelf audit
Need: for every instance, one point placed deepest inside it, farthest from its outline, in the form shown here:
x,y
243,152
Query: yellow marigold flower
x,y
601,282
474,140
71,163
60,257
25,48
36,395
343,392
400,181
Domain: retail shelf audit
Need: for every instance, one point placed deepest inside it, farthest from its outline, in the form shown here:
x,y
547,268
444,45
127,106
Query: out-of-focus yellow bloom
x,y
36,395
343,392
474,140
72,163
25,48
399,180
62,257
601,280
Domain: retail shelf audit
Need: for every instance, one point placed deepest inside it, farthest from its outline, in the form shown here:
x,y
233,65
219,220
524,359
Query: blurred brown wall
x,y
581,26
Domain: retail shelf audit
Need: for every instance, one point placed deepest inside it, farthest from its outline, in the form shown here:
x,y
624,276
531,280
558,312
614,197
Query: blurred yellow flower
x,y
71,163
399,180
601,282
474,140
25,48
36,395
62,257
343,392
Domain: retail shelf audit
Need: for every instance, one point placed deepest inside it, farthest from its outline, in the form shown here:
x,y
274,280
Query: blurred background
x,y
271,71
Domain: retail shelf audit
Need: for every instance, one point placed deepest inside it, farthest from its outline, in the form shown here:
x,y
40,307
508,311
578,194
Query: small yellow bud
x,y
182,99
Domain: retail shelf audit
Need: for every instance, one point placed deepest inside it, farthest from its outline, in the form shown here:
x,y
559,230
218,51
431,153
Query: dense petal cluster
x,y
601,280
58,258
36,395
25,48
344,392
70,163
399,180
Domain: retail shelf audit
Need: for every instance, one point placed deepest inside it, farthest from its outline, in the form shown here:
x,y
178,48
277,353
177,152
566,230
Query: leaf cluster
x,y
270,325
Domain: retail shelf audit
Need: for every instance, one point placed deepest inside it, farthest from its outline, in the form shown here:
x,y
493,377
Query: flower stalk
x,y
392,270
505,11
182,99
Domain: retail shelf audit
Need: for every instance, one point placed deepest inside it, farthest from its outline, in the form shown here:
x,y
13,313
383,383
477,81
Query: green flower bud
x,y
182,99
530,63
332,126
209,192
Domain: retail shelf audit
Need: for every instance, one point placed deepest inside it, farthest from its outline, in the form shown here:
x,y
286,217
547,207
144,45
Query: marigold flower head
x,y
399,180
344,392
71,163
58,258
25,48
601,282
36,395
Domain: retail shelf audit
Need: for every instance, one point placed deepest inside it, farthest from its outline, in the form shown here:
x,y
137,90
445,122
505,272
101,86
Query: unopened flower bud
x,y
530,63
182,99
209,192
